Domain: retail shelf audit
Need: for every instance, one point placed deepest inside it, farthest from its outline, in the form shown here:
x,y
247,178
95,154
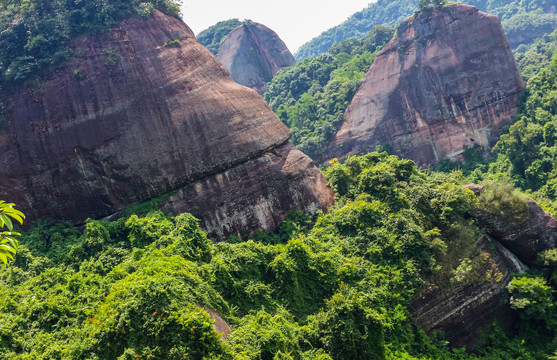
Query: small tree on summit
x,y
427,4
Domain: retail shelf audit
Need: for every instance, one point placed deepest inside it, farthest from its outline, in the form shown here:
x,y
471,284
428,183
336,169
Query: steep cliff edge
x,y
447,80
142,111
253,54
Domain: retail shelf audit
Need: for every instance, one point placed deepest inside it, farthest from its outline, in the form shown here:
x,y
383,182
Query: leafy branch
x,y
8,242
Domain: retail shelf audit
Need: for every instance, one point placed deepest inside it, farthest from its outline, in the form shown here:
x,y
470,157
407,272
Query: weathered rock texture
x,y
462,310
253,54
447,80
527,239
130,119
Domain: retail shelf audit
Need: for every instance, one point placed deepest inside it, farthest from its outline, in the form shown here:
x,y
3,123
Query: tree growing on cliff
x,y
428,4
8,242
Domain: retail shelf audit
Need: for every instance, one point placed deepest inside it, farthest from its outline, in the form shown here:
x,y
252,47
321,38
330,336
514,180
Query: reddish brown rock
x,y
253,54
130,119
462,310
446,81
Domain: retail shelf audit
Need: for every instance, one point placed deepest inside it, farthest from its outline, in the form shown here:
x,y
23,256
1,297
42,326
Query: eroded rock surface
x,y
446,81
134,116
253,54
462,310
528,238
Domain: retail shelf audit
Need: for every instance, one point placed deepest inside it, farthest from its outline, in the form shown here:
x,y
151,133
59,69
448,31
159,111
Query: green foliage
x,y
532,297
34,34
348,329
311,97
78,73
527,18
265,336
503,201
145,10
336,288
427,4
172,43
8,242
111,58
213,37
382,12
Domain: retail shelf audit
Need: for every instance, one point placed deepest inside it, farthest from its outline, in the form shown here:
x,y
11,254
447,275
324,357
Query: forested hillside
x,y
523,20
214,36
334,287
356,280
311,97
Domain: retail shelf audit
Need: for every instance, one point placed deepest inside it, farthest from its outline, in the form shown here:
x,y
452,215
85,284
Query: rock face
x,y
446,81
537,233
253,54
132,118
463,309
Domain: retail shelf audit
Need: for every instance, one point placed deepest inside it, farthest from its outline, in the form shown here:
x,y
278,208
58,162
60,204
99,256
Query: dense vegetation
x,y
214,36
336,288
382,12
34,34
311,97
519,17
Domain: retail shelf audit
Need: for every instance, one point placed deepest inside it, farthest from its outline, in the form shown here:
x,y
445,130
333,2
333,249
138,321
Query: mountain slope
x,y
523,21
144,111
253,54
447,80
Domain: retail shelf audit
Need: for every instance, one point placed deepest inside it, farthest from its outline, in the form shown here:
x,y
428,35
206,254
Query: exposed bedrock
x,y
141,111
253,54
447,80
463,310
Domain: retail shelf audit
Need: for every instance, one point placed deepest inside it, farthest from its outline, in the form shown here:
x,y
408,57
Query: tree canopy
x,y
34,34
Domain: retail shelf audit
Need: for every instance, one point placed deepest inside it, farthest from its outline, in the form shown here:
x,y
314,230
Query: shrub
x,y
172,43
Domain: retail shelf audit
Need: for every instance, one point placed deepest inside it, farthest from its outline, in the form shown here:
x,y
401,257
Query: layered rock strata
x,y
141,111
447,80
527,238
462,310
253,54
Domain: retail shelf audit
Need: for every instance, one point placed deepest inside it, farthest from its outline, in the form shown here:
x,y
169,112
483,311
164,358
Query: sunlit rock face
x,y
141,111
447,80
253,54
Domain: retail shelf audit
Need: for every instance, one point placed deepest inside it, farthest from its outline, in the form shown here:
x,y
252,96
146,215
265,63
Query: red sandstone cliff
x,y
253,54
447,80
130,119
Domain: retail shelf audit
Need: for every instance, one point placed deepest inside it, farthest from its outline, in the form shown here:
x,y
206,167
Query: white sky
x,y
295,21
